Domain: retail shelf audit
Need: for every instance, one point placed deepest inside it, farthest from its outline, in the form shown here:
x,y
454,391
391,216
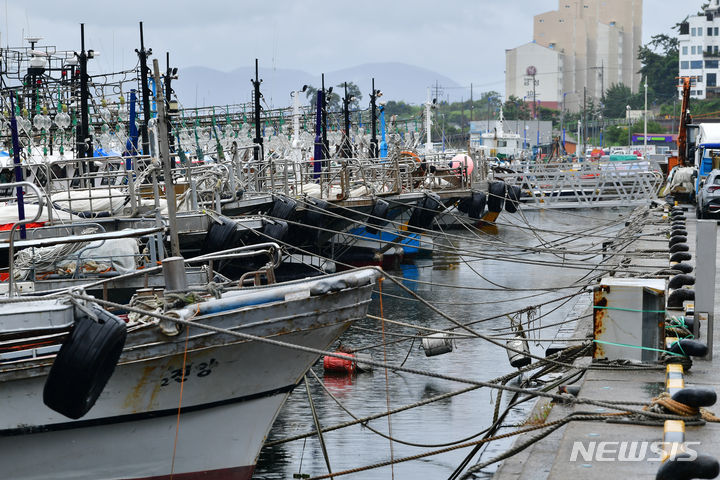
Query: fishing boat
x,y
183,401
191,394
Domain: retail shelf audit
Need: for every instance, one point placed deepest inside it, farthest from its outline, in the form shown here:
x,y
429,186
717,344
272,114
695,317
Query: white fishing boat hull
x,y
229,394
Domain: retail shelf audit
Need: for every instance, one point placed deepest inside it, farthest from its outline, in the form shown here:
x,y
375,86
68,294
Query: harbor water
x,y
468,289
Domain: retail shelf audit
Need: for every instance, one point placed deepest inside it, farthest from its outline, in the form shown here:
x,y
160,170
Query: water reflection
x,y
452,418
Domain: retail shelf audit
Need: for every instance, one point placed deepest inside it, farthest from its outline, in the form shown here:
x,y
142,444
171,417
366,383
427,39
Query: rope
x,y
387,380
668,404
557,423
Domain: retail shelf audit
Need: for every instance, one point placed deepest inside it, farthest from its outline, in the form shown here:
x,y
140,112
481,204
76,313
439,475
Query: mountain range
x,y
201,86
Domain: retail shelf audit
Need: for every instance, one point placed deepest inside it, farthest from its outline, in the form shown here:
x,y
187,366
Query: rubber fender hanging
x,y
463,205
676,214
679,223
424,212
221,236
478,200
677,209
316,214
496,196
679,281
84,363
378,216
512,198
680,256
685,467
689,348
680,247
283,207
276,229
677,239
677,297
682,267
696,397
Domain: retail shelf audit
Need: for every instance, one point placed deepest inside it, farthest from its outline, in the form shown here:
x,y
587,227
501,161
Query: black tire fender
x,y
496,196
85,363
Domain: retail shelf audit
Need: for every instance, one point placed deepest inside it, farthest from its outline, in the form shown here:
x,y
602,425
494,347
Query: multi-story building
x,y
698,43
595,44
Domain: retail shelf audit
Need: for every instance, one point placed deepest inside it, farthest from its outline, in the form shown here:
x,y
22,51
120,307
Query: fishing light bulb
x,y
62,120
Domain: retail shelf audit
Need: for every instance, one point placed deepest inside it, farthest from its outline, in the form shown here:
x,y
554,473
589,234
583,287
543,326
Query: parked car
x,y
708,196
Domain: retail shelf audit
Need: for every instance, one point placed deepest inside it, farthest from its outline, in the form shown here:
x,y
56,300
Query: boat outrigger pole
x,y
145,91
258,150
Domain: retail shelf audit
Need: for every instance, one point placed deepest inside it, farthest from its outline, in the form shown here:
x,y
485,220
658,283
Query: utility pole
x,y
144,91
258,140
472,105
85,147
584,131
373,121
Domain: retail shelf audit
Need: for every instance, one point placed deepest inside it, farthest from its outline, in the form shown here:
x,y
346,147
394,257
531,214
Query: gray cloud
x,y
462,39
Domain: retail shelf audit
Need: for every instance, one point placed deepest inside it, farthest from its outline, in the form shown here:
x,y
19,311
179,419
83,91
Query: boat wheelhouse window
x,y
502,143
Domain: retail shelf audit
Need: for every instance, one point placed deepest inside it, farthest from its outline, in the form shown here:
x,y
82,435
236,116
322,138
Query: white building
x,y
598,42
548,76
698,42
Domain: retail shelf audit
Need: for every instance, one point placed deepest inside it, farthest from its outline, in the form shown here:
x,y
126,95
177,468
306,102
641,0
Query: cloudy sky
x,y
462,39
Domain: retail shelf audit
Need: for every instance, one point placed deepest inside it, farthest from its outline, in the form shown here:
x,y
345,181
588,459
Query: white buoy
x,y
436,344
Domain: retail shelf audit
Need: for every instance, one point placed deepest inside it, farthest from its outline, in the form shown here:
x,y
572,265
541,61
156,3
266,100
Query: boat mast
x,y
258,153
346,148
373,121
144,91
428,123
162,135
84,142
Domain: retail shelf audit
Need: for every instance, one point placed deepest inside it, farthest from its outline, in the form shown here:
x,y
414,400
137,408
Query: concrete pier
x,y
551,458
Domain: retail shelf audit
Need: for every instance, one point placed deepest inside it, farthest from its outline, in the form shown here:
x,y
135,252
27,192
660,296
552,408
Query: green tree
x,y
659,60
515,108
401,109
617,98
333,100
353,91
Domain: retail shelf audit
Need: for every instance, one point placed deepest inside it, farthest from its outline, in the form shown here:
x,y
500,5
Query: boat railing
x,y
19,191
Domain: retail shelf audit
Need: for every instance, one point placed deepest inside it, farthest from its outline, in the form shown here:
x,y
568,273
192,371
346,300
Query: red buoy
x,y
339,365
